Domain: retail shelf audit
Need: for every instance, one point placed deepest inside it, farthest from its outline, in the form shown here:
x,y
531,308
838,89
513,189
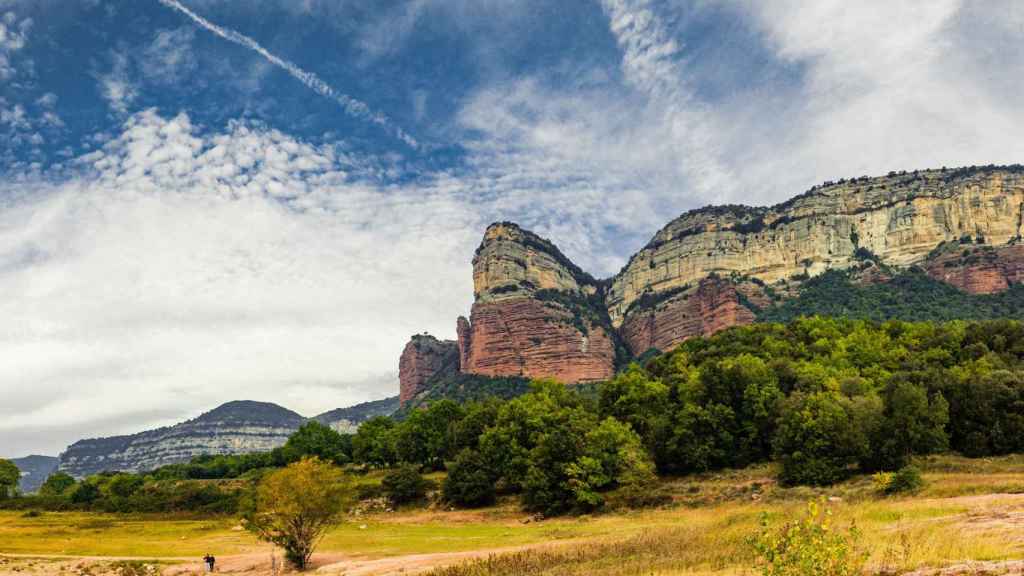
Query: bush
x,y
810,546
468,484
907,479
405,485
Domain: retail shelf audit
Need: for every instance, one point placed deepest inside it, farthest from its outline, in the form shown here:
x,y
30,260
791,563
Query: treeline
x,y
826,398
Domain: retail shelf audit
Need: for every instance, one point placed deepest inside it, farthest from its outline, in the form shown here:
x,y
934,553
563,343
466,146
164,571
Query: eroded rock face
x,y
712,305
899,218
536,314
536,339
979,269
423,357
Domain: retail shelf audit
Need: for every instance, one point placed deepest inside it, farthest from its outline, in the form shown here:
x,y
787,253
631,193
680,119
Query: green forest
x,y
824,398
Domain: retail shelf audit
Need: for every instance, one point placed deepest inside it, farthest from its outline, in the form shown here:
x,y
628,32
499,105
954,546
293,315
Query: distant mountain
x,y
347,420
34,471
925,245
233,428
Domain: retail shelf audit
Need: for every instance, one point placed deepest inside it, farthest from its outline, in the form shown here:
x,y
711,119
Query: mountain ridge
x,y
536,314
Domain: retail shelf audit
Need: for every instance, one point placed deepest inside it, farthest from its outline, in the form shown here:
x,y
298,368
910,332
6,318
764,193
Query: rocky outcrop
x,y
423,357
536,314
536,339
712,305
899,218
978,269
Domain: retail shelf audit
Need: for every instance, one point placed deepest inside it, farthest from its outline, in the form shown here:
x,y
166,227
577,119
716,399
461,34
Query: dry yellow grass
x,y
968,511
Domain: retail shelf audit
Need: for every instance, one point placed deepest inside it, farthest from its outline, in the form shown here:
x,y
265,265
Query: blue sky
x,y
207,200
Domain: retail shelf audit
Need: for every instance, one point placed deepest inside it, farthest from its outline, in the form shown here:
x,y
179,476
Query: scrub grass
x,y
968,510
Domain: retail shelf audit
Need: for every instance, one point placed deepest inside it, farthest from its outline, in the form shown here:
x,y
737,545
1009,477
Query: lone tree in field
x,y
294,507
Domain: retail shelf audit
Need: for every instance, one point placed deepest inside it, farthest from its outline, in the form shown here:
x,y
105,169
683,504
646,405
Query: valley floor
x,y
970,511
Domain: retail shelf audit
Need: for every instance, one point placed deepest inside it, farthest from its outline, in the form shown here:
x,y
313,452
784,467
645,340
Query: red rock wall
x,y
527,337
423,357
712,307
979,269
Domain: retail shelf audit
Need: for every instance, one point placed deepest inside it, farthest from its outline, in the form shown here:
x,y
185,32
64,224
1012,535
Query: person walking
x,y
210,561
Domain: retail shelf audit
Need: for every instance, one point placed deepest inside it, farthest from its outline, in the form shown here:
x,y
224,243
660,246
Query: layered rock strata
x,y
536,314
423,357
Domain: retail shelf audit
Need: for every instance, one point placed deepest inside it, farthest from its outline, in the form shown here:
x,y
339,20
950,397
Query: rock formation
x,y
536,314
423,357
34,471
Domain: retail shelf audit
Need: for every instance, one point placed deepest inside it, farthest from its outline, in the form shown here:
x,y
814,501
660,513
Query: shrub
x,y
405,485
810,546
468,484
907,479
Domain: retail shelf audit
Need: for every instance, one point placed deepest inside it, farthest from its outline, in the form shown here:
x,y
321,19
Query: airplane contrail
x,y
352,106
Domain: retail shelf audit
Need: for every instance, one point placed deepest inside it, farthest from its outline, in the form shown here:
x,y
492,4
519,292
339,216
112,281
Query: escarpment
x,y
536,314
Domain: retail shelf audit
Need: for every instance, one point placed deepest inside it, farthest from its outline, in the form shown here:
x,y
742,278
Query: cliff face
x,y
34,471
900,218
536,314
423,357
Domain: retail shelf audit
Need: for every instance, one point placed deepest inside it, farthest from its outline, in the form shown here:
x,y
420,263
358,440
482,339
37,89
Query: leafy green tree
x,y
468,483
702,438
316,439
423,438
295,506
374,442
637,399
405,484
9,477
465,433
57,484
86,492
912,424
122,485
818,440
614,457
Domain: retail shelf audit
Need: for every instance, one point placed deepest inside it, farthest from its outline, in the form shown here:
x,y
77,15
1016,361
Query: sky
x,y
212,200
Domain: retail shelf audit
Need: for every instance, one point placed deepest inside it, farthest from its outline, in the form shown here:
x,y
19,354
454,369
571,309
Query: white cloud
x,y
195,268
169,59
13,37
115,86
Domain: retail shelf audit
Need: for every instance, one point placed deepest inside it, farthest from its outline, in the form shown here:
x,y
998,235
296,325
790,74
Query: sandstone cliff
x,y
536,314
423,357
900,218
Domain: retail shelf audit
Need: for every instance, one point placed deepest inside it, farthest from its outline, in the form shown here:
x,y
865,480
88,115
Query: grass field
x,y
969,510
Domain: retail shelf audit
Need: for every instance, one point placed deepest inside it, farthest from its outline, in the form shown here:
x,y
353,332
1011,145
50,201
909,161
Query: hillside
x,y
237,427
34,471
952,235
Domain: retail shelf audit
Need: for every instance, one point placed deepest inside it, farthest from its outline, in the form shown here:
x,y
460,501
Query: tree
x,y
294,507
9,477
57,484
405,485
374,442
316,439
423,438
818,439
468,483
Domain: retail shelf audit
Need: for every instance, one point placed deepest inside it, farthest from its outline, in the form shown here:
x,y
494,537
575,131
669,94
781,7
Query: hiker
x,y
209,560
